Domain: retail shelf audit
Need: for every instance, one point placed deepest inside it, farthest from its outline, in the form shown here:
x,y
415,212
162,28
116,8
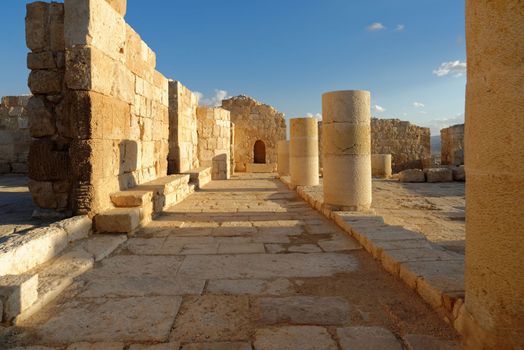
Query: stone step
x,y
17,294
199,176
118,220
23,252
55,277
131,198
164,185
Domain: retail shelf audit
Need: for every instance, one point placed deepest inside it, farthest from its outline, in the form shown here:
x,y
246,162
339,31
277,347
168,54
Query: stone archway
x,y
259,152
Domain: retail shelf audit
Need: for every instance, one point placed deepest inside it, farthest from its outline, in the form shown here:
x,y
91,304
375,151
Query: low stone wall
x,y
452,145
254,121
214,141
183,136
14,135
99,110
408,144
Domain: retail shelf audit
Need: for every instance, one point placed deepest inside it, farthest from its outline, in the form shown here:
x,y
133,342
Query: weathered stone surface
x,y
14,134
304,248
77,227
96,346
214,137
367,338
118,220
164,346
339,242
254,121
412,175
294,337
267,266
41,121
459,173
100,246
45,82
17,293
250,286
426,342
452,145
439,175
241,248
218,346
103,319
131,198
304,310
211,318
22,253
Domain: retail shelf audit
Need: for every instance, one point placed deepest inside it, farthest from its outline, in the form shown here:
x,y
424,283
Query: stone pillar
x,y
381,165
283,157
303,152
493,315
347,149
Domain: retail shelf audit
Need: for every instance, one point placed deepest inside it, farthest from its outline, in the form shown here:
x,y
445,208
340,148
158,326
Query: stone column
x,y
493,316
283,157
346,120
303,152
381,165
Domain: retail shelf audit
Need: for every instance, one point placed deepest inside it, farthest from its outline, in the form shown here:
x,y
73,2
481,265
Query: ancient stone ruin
x,y
14,135
179,233
258,128
452,145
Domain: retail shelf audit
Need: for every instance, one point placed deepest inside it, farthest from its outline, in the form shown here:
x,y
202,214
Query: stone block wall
x,y
99,110
254,121
408,144
452,145
183,137
14,134
214,141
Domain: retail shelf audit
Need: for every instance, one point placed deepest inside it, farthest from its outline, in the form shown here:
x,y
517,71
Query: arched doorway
x,y
259,152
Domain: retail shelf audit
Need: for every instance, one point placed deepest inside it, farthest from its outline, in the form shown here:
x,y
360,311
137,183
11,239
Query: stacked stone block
x,y
183,137
408,144
452,145
100,109
254,121
214,141
303,152
14,134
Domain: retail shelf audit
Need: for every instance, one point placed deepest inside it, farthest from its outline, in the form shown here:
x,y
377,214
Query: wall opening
x,y
260,152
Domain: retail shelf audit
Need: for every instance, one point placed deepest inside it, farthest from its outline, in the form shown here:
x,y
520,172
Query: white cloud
x,y
418,105
437,124
400,28
379,109
455,68
213,101
316,115
373,27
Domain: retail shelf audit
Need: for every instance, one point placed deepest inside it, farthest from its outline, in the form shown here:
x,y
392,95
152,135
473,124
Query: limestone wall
x,y
100,109
452,145
408,144
183,137
14,134
254,121
214,141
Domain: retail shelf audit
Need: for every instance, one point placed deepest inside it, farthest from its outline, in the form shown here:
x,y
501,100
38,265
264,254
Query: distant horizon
x,y
410,54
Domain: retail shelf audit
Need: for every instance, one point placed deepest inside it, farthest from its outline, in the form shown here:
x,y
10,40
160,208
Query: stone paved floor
x,y
16,205
437,210
244,263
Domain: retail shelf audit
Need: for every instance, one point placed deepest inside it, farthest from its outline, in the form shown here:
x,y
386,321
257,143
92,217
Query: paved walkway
x,y
245,262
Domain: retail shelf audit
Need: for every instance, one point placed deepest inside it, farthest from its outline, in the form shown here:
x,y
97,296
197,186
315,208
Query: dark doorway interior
x,y
260,152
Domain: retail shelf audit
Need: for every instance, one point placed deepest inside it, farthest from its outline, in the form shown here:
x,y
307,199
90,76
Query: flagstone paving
x,y
242,264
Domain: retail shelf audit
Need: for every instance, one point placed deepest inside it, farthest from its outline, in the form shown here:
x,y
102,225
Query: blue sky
x,y
409,53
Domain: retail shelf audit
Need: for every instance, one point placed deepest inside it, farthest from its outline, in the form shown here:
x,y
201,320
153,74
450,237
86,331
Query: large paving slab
x,y
294,337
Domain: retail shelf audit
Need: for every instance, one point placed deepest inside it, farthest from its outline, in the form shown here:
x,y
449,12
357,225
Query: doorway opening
x,y
259,152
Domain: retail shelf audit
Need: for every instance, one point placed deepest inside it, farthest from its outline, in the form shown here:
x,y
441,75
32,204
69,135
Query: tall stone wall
x,y
408,144
254,121
14,135
99,110
452,145
214,141
183,136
